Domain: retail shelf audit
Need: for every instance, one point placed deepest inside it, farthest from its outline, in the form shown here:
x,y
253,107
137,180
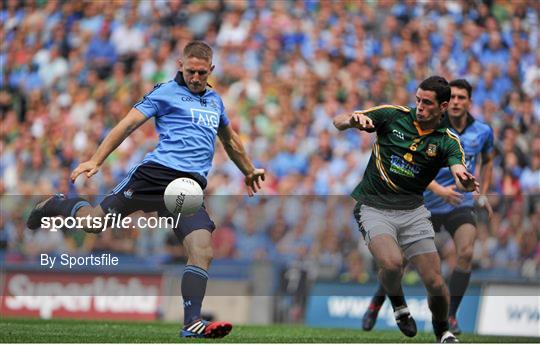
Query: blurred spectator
x,y
527,245
251,242
530,178
42,241
53,68
355,270
101,53
233,31
224,242
128,39
326,254
504,253
7,230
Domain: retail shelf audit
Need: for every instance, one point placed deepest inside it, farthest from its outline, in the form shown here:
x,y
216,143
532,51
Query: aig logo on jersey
x,y
205,118
431,150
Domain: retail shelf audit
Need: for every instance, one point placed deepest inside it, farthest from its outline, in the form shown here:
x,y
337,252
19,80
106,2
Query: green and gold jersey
x,y
405,159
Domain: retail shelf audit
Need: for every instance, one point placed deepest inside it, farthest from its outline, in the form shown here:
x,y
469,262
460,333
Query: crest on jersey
x,y
128,193
408,157
414,145
431,150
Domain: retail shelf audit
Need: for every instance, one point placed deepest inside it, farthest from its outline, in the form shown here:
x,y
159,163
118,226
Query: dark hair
x,y
199,50
439,85
462,84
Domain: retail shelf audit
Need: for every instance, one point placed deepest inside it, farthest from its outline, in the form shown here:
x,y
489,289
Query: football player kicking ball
x,y
188,117
451,209
412,146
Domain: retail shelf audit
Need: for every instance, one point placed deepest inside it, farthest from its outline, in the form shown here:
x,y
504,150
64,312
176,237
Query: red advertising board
x,y
83,296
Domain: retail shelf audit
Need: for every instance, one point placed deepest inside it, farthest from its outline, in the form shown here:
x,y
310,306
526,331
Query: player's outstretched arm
x,y
235,150
354,120
465,181
448,194
116,136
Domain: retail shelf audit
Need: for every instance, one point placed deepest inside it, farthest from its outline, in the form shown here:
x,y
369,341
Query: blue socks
x,y
193,290
65,207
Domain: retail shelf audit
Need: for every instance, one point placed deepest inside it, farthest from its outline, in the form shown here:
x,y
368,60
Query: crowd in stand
x,y
71,70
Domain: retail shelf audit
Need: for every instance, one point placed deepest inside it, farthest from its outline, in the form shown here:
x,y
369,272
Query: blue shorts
x,y
142,190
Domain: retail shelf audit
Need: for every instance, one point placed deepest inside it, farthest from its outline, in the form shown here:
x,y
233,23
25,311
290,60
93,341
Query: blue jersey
x,y
187,124
476,139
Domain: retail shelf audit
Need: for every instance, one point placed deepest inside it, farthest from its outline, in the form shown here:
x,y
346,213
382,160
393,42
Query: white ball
x,y
183,196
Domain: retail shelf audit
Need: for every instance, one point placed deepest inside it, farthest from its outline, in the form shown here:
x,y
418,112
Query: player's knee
x,y
435,284
465,254
392,265
202,255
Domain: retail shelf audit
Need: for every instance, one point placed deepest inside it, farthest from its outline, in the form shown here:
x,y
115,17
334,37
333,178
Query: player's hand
x,y
483,201
360,121
450,195
468,182
252,181
88,167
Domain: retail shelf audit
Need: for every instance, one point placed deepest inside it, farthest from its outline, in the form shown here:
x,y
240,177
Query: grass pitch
x,y
18,330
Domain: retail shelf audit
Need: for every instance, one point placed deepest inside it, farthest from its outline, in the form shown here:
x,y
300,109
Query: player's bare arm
x,y
486,173
118,134
449,194
465,181
236,152
354,120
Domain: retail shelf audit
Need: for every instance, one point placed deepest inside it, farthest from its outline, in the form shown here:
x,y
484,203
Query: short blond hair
x,y
199,50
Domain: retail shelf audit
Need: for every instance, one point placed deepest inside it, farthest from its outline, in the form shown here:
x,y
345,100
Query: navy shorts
x,y
142,190
454,219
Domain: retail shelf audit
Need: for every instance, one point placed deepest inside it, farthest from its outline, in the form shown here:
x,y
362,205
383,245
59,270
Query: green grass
x,y
18,330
